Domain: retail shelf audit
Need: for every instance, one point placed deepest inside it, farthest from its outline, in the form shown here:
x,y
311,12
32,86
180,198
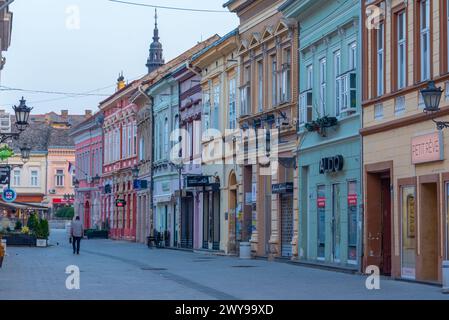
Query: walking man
x,y
77,233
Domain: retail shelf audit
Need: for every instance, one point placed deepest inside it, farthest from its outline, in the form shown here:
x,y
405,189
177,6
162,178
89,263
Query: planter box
x,y
97,234
41,242
20,240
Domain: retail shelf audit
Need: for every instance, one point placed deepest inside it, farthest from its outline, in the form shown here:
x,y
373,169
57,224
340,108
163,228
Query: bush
x,y
25,230
65,212
18,225
42,231
33,222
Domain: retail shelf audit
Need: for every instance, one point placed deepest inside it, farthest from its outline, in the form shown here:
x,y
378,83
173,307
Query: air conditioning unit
x,y
52,191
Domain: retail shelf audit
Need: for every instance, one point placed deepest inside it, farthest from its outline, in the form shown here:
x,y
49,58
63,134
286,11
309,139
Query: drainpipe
x,y
362,207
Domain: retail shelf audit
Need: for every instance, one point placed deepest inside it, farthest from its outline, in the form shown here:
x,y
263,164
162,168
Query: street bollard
x,y
445,276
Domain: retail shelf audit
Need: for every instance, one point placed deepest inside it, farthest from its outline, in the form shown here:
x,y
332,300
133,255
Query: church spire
x,y
156,30
155,59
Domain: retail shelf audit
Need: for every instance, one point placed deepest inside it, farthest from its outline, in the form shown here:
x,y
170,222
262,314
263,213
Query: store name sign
x,y
331,164
427,148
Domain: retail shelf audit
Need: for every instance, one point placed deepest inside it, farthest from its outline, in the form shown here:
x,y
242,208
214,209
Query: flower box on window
x,y
321,124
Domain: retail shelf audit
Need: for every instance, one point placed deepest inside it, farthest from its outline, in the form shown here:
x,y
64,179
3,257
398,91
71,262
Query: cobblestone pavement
x,y
121,270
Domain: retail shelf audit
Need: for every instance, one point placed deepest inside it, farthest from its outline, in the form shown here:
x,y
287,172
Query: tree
x,y
33,222
42,230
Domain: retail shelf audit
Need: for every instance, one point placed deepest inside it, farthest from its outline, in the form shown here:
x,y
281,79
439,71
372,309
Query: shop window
x,y
408,256
321,219
352,221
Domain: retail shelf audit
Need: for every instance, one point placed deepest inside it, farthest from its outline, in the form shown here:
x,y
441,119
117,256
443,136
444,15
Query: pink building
x,y
119,158
88,166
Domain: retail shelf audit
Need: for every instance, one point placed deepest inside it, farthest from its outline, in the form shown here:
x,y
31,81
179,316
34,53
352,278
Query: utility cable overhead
x,y
3,88
169,8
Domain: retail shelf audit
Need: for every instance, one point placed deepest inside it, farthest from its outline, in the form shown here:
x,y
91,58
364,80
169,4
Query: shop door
x,y
386,226
336,223
286,225
187,223
216,221
428,232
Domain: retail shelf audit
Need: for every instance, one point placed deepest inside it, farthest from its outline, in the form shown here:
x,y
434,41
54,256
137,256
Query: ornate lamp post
x,y
135,172
432,96
22,114
25,153
96,179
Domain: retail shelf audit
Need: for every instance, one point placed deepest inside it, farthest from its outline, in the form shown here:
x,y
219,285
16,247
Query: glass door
x,y
336,227
321,219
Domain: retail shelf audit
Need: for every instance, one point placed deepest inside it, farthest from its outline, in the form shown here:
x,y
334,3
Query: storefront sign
x,y
331,164
321,202
120,203
5,174
427,148
107,188
279,188
352,199
140,184
197,181
9,195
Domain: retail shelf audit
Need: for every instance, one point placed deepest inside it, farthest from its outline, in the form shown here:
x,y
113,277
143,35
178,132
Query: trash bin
x,y
245,250
446,276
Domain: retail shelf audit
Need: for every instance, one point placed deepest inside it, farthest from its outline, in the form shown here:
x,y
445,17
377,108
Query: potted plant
x,y
321,124
42,232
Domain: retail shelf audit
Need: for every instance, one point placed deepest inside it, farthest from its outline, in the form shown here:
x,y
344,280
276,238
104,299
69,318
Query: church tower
x,y
155,59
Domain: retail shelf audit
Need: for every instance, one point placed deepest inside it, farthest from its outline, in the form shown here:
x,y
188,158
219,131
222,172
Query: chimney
x,y
88,113
64,113
120,82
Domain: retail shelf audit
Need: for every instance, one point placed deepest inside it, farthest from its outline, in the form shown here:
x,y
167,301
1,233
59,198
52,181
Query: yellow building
x,y
219,83
268,58
406,166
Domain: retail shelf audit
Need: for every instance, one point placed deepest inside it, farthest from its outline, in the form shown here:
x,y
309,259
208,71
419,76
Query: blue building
x,y
329,146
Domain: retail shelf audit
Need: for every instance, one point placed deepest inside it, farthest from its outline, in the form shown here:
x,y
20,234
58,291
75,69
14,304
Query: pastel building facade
x,y
119,158
219,85
88,139
329,157
405,184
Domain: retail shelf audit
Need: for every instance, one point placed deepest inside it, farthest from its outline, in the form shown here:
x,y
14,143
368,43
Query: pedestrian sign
x,y
9,195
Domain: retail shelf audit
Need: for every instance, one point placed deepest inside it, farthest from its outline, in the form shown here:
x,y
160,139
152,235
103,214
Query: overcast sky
x,y
49,52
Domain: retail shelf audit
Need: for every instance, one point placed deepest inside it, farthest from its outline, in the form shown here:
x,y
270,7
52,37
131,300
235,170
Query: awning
x,y
21,205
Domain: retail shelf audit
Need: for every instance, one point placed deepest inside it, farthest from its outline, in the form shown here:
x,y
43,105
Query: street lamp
x,y
96,179
432,96
76,183
25,153
22,113
135,172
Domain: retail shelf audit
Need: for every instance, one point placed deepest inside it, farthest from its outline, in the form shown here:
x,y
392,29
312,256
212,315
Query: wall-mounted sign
x,y
197,181
254,193
140,184
352,199
427,148
279,188
5,174
107,188
321,202
331,164
120,203
9,195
